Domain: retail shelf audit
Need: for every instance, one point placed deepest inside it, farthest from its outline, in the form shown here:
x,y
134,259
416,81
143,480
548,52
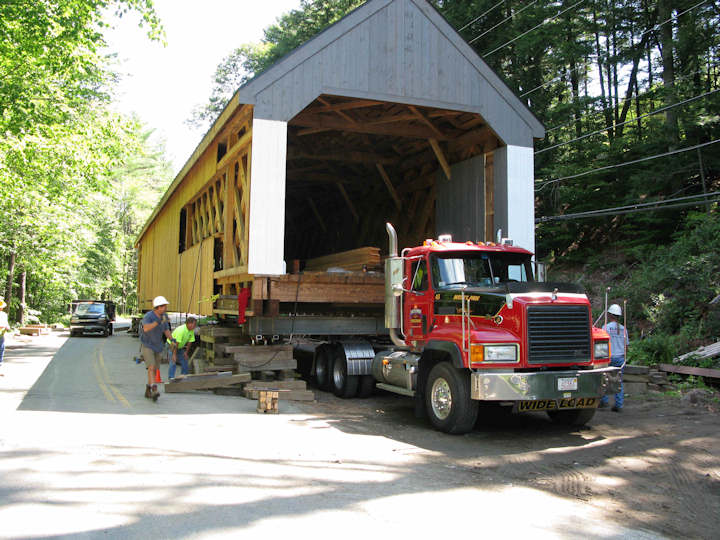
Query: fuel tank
x,y
398,368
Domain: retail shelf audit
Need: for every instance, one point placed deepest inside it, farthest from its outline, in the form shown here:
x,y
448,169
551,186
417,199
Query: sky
x,y
162,84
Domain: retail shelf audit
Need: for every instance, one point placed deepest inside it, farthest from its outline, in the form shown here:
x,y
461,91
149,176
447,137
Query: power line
x,y
625,164
553,80
674,17
476,19
501,22
656,111
644,94
638,207
533,28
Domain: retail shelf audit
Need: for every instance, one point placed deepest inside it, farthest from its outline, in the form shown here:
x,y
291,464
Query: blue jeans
x,y
616,361
182,358
2,348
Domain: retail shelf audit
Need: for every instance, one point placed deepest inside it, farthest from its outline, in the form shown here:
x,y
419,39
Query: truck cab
x,y
474,325
94,316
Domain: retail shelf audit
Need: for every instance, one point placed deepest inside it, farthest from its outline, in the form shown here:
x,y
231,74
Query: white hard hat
x,y
160,301
615,310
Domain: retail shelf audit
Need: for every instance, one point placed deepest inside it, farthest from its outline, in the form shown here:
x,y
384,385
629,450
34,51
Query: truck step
x,y
396,389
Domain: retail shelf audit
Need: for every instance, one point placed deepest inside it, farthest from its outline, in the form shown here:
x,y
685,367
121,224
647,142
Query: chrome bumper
x,y
491,386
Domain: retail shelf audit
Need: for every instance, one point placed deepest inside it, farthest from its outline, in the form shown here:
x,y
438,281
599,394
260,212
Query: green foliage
x,y
66,180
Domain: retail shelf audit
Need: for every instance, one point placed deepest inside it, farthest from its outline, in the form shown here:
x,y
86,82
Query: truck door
x,y
418,302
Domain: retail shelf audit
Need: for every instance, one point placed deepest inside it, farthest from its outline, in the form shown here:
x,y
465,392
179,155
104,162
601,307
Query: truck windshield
x,y
479,269
90,309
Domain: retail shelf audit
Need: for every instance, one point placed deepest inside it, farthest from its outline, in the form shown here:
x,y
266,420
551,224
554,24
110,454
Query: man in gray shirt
x,y
155,325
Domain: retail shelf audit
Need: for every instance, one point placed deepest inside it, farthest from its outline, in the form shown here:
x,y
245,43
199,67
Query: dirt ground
x,y
655,466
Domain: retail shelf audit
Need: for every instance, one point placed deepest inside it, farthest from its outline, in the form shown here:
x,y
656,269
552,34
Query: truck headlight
x,y
602,350
501,353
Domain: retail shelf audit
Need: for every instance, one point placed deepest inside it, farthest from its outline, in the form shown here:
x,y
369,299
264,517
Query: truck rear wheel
x,y
447,399
343,385
323,365
572,417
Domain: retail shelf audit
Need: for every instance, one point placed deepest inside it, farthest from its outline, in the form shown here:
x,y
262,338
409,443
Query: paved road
x,y
84,455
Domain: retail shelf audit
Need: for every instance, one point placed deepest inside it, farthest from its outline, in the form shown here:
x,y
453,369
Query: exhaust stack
x,y
393,286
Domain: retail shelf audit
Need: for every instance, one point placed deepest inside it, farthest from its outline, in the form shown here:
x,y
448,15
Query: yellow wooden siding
x,y
164,271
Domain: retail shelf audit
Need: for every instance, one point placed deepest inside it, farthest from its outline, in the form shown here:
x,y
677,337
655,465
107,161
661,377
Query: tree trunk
x,y
10,278
21,310
665,11
603,99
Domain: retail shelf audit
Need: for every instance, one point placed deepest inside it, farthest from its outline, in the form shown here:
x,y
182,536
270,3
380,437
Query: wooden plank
x,y
329,293
708,351
206,383
289,395
277,385
218,213
254,364
688,370
389,185
440,157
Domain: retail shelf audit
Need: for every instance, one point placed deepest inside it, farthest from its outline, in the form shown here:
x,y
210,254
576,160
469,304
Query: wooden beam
x,y
388,183
350,156
425,120
315,123
689,370
340,113
476,136
489,196
236,149
440,157
317,214
238,272
350,204
218,213
347,105
230,203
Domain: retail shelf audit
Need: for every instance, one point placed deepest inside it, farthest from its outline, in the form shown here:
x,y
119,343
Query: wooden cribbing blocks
x,y
206,382
262,357
267,402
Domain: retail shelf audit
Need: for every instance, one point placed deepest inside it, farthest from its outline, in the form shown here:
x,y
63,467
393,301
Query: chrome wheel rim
x,y
441,398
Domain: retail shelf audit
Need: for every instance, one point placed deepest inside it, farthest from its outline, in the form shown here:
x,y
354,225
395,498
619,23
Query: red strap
x,y
243,299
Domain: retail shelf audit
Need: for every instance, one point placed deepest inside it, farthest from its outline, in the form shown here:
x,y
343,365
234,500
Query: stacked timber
x,y
206,381
35,330
355,260
226,351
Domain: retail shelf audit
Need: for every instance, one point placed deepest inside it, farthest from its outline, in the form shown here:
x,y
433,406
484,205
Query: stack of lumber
x,y
35,329
212,356
354,260
267,367
707,351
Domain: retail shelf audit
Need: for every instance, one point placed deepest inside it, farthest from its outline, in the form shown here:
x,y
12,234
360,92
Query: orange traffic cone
x,y
158,379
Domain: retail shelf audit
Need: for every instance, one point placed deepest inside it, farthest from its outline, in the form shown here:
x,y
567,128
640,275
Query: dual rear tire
x,y
331,374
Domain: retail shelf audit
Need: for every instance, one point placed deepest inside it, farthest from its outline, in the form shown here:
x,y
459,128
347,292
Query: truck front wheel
x,y
572,417
447,399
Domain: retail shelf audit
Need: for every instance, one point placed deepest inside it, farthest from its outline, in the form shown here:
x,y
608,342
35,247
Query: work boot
x,y
155,393
148,391
616,409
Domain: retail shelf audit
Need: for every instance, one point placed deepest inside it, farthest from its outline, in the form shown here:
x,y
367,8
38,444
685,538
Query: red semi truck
x,y
468,323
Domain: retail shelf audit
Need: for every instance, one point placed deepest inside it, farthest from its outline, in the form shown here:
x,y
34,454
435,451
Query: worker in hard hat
x,y
155,325
618,345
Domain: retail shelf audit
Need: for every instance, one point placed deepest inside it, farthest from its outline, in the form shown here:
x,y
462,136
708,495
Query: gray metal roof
x,y
400,51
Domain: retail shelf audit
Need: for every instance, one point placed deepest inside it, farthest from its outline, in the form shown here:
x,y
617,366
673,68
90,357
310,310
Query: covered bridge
x,y
387,115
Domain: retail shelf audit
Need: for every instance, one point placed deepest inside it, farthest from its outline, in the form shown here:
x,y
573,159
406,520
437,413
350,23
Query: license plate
x,y
567,383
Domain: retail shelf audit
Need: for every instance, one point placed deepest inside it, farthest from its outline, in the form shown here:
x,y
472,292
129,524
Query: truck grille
x,y
558,334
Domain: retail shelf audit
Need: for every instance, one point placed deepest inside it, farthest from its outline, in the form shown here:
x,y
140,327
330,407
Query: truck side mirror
x,y
540,271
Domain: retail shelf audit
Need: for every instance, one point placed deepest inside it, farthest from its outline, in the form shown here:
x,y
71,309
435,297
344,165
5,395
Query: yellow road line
x,y
96,370
114,389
